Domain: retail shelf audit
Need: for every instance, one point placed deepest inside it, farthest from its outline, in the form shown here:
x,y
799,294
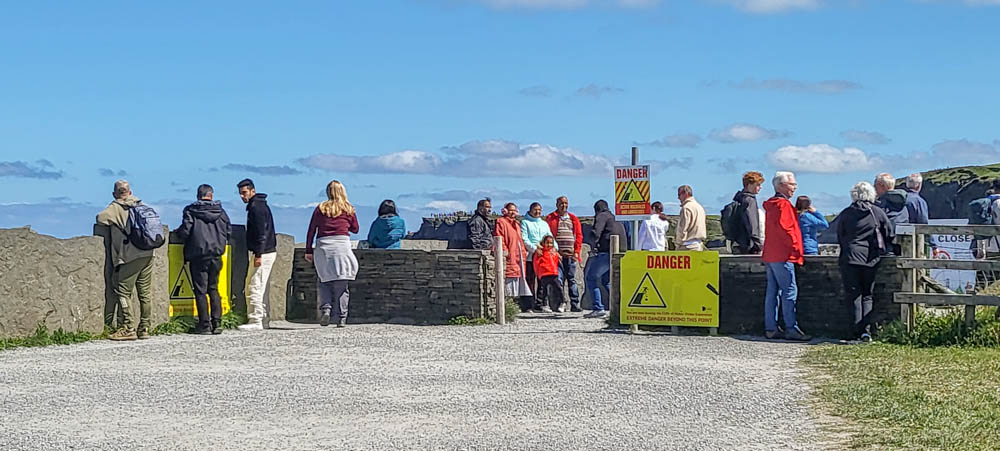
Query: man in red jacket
x,y
566,229
782,251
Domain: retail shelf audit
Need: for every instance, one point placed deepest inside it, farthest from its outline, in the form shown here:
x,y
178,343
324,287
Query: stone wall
x,y
405,286
64,283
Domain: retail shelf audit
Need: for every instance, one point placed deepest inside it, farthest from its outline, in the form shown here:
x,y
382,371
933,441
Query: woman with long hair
x,y
332,223
388,229
811,222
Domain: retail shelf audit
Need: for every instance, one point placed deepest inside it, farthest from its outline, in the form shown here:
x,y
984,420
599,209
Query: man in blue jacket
x,y
916,206
262,242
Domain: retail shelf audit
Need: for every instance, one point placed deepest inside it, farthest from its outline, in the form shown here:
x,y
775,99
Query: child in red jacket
x,y
546,263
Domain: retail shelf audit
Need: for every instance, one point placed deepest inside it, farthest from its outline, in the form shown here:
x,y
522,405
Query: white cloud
x,y
687,140
773,6
865,137
472,159
448,206
817,87
596,91
823,158
743,132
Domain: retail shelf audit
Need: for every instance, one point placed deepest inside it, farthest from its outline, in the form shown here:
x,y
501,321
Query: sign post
x,y
670,289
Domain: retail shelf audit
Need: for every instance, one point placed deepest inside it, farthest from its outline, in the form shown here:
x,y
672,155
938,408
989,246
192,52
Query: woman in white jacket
x,y
653,231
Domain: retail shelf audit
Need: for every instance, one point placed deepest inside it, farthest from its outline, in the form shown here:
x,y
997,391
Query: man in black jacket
x,y
598,271
746,222
480,228
205,232
263,244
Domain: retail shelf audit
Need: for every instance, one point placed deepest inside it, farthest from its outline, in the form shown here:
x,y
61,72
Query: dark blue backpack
x,y
145,231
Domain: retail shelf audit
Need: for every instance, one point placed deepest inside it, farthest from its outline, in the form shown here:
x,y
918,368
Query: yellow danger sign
x,y
670,288
181,289
632,192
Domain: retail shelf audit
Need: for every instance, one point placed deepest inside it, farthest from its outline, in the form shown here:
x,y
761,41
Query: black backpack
x,y
145,231
730,220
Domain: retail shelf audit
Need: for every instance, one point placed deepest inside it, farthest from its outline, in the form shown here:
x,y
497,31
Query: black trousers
x,y
550,291
529,302
859,282
205,283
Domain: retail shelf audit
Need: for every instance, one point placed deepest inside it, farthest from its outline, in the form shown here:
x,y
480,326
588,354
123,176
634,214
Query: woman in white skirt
x,y
332,223
508,228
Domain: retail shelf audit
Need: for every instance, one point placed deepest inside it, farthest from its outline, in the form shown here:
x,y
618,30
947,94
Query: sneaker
x,y
866,338
796,334
251,326
142,334
576,309
546,309
597,314
342,322
324,318
216,327
772,334
124,335
560,310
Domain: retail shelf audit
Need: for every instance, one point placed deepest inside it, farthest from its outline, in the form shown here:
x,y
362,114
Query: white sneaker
x,y
251,326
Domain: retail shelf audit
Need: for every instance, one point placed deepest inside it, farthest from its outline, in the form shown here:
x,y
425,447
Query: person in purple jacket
x,y
811,222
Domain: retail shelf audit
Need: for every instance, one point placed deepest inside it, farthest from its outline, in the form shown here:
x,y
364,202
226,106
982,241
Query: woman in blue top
x,y
811,223
388,229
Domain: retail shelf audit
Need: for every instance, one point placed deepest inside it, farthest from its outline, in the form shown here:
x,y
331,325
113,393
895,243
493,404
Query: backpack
x,y
979,212
145,231
730,220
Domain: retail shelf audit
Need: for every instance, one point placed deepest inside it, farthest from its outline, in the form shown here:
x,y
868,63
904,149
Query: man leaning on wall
x,y
133,267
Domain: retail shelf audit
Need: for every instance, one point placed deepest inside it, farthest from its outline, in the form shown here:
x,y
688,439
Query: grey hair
x,y
914,180
863,192
885,179
686,189
781,177
122,188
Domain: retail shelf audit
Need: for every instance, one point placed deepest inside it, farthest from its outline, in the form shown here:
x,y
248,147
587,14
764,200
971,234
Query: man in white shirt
x,y
653,231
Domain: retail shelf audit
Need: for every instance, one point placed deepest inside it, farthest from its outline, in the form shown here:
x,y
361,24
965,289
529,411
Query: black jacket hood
x,y
257,198
740,195
206,210
894,200
601,206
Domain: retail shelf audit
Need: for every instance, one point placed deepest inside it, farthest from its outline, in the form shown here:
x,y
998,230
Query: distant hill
x,y
949,191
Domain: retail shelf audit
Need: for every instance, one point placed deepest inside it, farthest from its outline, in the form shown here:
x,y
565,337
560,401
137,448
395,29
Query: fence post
x,y
499,265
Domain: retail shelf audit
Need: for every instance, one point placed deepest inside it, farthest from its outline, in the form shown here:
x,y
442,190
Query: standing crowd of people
x,y
541,253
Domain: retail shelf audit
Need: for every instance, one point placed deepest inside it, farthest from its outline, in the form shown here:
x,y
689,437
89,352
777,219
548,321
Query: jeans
x,y
780,281
137,274
334,290
598,274
567,274
205,284
258,288
859,282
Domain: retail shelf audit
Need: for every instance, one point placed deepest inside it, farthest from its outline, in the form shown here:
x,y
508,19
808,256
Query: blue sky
x,y
435,103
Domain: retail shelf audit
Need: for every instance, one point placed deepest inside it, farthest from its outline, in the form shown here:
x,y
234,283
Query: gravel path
x,y
541,383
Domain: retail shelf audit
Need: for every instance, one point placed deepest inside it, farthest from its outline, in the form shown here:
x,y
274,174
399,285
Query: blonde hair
x,y
336,203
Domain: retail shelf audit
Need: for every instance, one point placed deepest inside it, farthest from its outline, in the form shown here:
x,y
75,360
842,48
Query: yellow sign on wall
x,y
670,288
181,291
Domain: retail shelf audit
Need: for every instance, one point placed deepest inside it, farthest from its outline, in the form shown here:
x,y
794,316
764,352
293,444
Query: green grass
x,y
176,325
901,397
511,310
947,329
42,337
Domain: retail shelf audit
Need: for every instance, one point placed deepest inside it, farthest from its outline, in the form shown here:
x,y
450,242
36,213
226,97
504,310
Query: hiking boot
x,y
342,322
796,334
597,314
143,334
123,335
772,335
251,326
575,309
324,318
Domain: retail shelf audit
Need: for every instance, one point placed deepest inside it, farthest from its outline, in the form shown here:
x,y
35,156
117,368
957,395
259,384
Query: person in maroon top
x,y
332,223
